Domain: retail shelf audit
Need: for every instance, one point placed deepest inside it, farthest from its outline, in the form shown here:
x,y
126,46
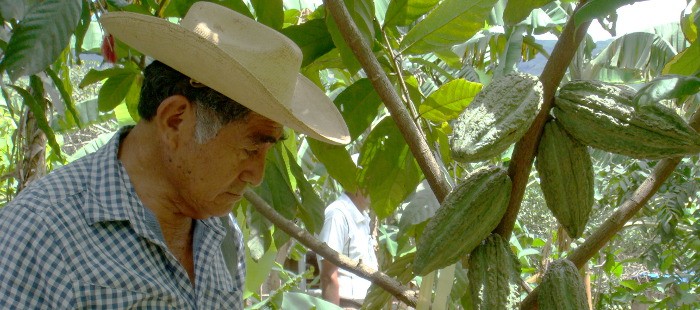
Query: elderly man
x,y
134,225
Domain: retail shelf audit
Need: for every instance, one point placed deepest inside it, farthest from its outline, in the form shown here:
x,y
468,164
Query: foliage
x,y
437,54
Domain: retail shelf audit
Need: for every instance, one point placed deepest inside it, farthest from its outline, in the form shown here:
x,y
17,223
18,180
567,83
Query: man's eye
x,y
252,151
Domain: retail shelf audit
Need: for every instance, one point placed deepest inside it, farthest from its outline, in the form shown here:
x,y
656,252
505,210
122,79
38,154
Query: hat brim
x,y
310,112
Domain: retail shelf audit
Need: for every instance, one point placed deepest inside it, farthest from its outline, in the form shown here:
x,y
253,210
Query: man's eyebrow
x,y
265,138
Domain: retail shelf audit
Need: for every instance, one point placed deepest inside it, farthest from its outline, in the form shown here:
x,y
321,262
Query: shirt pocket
x,y
95,296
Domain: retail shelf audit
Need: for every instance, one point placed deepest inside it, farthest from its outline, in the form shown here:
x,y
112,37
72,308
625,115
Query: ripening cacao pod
x,y
562,288
603,116
497,117
494,274
566,177
467,215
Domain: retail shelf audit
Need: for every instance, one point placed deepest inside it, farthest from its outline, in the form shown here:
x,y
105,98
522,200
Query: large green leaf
x,y
88,114
405,12
94,76
312,37
449,100
685,63
513,53
517,10
638,52
269,12
114,90
452,22
667,87
82,28
15,9
390,171
294,300
311,207
362,13
338,163
41,37
359,105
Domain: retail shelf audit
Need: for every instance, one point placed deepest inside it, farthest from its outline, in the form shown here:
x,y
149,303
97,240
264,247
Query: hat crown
x,y
269,56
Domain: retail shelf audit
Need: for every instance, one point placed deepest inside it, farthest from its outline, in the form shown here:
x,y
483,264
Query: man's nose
x,y
254,170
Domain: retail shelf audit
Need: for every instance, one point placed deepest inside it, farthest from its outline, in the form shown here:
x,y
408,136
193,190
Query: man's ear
x,y
175,120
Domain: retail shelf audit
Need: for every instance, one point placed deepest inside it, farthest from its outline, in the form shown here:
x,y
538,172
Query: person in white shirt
x,y
346,230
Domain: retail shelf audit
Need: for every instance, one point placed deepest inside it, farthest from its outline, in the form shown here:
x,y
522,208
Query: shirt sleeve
x,y
335,230
32,270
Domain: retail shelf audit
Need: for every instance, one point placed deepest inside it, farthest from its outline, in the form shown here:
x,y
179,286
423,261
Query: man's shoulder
x,y
48,191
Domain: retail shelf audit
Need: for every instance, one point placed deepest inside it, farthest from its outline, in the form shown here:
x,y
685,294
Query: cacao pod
x,y
603,116
494,275
498,116
467,215
566,177
562,288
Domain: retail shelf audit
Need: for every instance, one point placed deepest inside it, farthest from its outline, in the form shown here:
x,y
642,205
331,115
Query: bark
x,y
621,216
389,284
415,140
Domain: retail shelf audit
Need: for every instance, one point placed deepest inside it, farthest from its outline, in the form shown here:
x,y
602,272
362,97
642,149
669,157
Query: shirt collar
x,y
357,216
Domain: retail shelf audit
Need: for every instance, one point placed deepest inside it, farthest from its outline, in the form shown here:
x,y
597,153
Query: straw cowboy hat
x,y
240,58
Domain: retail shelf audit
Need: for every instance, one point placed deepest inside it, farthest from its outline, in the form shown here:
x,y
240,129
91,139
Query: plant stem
x,y
389,284
415,140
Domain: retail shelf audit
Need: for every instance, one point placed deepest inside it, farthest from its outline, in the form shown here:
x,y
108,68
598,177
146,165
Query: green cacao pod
x,y
467,215
603,116
497,117
566,177
494,273
562,288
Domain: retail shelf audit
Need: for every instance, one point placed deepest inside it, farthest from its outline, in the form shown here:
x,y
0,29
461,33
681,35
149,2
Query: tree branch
x,y
389,284
416,142
624,213
524,152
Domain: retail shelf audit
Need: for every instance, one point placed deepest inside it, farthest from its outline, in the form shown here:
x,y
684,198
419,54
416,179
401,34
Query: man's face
x,y
211,176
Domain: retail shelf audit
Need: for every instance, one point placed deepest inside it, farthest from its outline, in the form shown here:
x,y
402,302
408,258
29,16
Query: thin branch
x,y
524,152
416,142
389,284
622,215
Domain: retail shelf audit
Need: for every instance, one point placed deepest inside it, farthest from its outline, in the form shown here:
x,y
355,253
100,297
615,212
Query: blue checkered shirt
x,y
81,238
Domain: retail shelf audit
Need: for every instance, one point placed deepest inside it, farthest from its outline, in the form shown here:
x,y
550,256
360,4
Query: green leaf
x,y
686,62
82,28
311,208
449,100
667,87
390,171
89,114
293,300
632,53
405,12
41,37
362,13
67,100
338,163
312,37
513,53
15,9
39,111
114,90
598,9
517,10
359,105
94,76
452,22
269,12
